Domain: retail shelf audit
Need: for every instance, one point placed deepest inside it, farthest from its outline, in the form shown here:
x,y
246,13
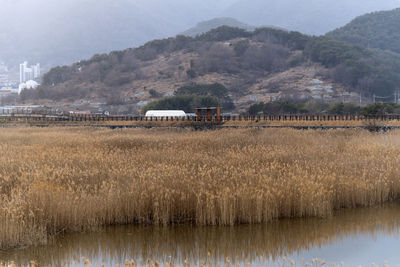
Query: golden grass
x,y
62,179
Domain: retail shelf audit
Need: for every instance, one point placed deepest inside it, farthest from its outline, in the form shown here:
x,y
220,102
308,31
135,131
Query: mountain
x,y
312,16
375,30
65,31
205,26
255,66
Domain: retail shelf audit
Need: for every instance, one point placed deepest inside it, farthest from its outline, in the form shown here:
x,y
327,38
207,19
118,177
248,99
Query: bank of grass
x,y
59,180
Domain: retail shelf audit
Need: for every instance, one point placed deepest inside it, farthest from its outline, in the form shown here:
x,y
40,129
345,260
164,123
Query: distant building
x,y
28,73
8,90
4,79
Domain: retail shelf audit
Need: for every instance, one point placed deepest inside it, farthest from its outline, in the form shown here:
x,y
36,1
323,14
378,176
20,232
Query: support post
x,y
218,113
199,114
209,117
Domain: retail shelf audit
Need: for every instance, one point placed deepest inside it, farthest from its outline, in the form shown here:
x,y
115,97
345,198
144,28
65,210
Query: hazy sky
x,y
308,16
63,31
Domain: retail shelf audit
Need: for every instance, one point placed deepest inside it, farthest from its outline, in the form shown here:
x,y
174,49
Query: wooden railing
x,y
95,118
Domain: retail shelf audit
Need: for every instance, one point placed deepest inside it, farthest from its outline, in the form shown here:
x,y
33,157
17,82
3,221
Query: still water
x,y
355,237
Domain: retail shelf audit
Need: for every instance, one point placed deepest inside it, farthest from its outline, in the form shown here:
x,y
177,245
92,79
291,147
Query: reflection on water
x,y
354,236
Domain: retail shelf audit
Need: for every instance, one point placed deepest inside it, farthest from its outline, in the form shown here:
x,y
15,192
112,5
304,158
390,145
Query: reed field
x,y
59,180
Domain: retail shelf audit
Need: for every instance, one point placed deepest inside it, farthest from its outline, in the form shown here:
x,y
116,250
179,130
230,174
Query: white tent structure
x,y
165,113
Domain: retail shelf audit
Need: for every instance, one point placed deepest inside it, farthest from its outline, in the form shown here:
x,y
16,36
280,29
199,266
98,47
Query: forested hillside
x,y
253,66
376,30
369,71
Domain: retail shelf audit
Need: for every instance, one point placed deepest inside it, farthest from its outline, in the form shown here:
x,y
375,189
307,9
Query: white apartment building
x,y
28,73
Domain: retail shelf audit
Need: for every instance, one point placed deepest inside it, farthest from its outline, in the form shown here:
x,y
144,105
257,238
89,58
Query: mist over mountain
x,y
65,31
311,17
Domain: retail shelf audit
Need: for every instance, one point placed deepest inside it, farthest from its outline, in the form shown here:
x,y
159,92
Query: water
x,y
361,236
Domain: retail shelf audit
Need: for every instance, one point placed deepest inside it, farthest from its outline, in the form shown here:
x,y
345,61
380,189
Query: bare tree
x,y
342,74
217,58
129,62
269,57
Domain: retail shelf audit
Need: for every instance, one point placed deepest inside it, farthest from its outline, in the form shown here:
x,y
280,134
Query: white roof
x,y
165,113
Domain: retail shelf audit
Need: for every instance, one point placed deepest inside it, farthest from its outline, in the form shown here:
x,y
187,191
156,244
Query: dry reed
x,y
61,180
